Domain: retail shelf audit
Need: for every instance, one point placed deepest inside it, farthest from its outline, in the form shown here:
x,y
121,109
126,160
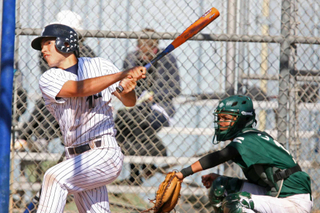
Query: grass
x,y
118,203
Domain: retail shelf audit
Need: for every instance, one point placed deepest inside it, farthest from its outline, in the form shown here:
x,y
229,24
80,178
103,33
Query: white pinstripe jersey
x,y
81,119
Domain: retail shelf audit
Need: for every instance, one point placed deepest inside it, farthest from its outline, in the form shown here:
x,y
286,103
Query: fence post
x,y
7,59
284,77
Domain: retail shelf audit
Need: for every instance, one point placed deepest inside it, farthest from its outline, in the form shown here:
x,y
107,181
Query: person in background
x,y
137,127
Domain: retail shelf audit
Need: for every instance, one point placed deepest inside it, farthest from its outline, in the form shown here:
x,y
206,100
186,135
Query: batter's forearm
x,y
128,99
89,86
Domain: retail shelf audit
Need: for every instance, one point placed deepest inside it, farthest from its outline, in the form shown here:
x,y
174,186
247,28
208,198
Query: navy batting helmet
x,y
66,38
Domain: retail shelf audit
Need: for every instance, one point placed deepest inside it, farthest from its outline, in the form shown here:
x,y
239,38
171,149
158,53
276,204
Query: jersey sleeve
x,y
109,68
51,83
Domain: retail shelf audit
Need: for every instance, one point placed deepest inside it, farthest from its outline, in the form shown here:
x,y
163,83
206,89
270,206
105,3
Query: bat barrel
x,y
193,29
196,27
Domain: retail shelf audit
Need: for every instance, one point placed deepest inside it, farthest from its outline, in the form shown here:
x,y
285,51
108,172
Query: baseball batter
x,y
275,182
78,92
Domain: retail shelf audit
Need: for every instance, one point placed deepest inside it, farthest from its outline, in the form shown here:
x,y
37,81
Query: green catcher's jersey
x,y
259,148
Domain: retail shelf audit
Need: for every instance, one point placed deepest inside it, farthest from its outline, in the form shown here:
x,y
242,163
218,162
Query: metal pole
x,y
264,60
7,62
199,81
293,139
243,31
230,52
284,77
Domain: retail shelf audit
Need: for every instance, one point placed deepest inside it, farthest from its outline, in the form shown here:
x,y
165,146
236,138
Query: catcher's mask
x,y
242,116
66,38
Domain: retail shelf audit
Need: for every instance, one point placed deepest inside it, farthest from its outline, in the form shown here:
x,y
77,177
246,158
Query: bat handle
x,y
147,66
120,88
157,58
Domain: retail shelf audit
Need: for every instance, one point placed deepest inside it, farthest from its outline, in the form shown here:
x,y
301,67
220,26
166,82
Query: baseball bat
x,y
193,29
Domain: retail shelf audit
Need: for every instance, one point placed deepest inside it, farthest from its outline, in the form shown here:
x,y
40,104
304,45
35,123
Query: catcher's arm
x,y
208,179
194,168
210,160
163,169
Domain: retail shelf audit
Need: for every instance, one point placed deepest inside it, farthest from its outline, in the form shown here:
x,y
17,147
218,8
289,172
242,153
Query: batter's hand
x,y
128,84
208,179
136,73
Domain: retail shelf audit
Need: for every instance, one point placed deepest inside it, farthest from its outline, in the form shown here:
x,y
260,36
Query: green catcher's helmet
x,y
238,106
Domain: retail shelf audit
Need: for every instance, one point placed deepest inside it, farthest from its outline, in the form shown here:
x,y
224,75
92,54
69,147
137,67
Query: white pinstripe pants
x,y
85,176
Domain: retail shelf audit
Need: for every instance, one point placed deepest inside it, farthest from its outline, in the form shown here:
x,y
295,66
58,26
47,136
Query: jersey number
x,y
278,145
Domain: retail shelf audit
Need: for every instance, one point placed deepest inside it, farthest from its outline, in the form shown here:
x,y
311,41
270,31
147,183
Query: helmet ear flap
x,y
64,45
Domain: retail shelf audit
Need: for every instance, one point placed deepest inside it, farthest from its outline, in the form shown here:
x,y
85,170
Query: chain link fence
x,y
266,49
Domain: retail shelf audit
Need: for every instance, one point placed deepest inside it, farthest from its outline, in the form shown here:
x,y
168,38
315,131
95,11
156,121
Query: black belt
x,y
279,175
81,149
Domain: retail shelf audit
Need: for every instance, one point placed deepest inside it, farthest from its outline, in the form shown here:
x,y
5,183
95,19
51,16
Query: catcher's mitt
x,y
167,194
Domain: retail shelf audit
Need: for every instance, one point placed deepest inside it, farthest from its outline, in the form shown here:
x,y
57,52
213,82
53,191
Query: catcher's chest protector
x,y
263,176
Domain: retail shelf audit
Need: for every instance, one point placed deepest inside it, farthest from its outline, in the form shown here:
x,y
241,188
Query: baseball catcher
x,y
274,180
167,194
